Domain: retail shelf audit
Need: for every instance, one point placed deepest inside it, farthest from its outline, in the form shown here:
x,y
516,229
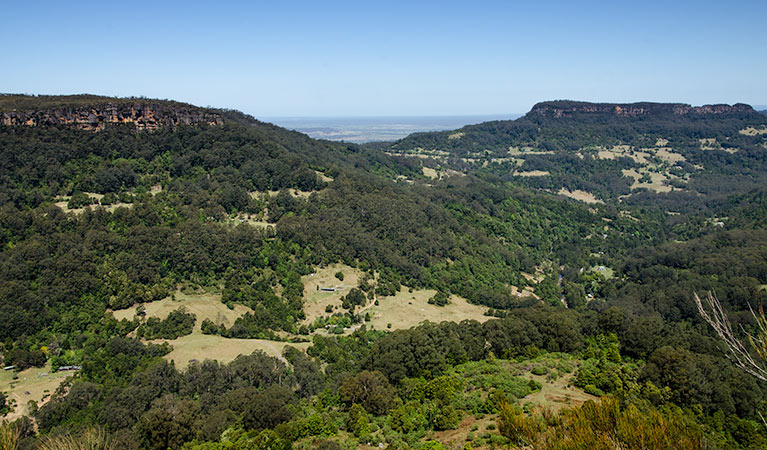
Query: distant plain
x,y
375,129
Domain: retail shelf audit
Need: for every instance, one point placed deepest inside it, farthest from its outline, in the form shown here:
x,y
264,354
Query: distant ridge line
x,y
569,108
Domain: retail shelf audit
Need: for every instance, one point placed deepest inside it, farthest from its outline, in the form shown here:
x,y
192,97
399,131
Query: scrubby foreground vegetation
x,y
591,338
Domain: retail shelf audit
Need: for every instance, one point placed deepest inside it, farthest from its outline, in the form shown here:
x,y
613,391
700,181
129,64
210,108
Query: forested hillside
x,y
636,153
109,204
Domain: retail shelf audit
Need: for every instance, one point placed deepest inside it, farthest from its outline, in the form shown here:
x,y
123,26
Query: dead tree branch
x,y
711,310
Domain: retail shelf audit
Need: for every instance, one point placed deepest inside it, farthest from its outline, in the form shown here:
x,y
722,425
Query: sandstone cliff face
x,y
571,109
144,116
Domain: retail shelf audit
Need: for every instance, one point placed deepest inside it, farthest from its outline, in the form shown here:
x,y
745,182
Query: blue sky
x,y
388,58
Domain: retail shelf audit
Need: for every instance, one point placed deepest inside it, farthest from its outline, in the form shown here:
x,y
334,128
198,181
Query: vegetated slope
x,y
178,189
632,152
613,288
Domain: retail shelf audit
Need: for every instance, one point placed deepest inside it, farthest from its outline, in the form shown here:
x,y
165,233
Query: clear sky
x,y
326,58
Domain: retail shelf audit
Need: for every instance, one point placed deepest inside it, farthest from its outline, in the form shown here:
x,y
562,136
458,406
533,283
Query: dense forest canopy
x,y
597,297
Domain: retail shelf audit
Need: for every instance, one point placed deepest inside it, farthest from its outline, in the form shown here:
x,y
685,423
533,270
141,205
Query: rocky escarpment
x,y
566,108
145,115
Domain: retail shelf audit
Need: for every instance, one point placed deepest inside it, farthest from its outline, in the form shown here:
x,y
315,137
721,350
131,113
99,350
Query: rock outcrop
x,y
144,115
567,108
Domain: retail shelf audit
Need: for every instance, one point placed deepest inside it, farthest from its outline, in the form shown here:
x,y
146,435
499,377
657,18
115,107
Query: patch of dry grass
x,y
656,184
408,309
316,300
751,131
640,157
533,173
516,151
255,220
64,201
36,384
431,173
200,347
669,156
295,193
203,306
578,194
323,177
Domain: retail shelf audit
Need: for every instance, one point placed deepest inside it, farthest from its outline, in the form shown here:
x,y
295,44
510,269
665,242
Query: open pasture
x,y
203,306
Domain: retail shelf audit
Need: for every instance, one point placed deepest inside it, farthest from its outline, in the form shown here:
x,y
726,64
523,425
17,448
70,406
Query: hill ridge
x,y
569,108
90,112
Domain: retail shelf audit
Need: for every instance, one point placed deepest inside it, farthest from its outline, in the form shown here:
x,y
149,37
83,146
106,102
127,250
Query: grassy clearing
x,y
37,384
408,309
316,300
536,278
111,208
431,173
525,292
517,151
64,201
578,194
656,184
606,272
256,220
203,306
533,173
751,131
469,424
200,347
712,144
557,390
480,378
293,193
669,156
557,394
323,177
640,157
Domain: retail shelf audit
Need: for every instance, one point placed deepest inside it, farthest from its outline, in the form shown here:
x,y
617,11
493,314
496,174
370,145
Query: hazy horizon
x,y
362,129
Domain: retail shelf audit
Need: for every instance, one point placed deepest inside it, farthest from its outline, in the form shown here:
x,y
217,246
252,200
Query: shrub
x,y
443,417
593,390
439,299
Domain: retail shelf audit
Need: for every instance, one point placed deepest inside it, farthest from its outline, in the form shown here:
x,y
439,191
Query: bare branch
x,y
711,310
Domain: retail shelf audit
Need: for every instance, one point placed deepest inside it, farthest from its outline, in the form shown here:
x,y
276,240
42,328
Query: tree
x,y
370,389
269,408
169,424
357,422
439,299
